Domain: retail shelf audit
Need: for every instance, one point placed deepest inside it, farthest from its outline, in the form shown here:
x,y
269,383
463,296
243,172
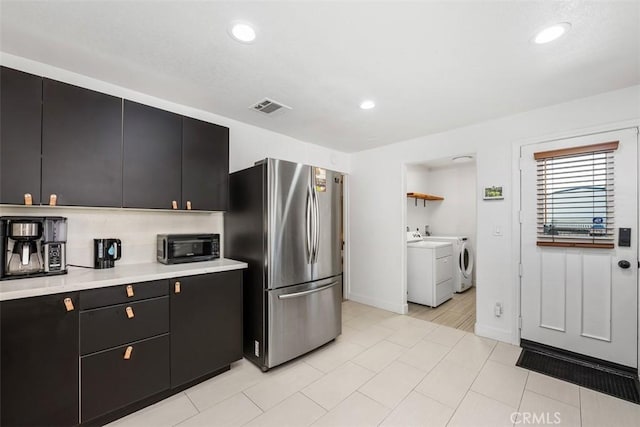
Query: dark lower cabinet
x,y
87,356
123,375
81,146
40,356
206,324
20,135
205,165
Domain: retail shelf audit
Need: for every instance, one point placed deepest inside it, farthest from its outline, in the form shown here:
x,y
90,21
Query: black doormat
x,y
586,374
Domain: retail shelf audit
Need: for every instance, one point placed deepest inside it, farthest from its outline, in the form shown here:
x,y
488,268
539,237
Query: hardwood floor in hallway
x,y
459,312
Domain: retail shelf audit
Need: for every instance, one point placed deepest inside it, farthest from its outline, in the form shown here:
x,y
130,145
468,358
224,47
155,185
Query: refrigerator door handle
x,y
311,291
316,226
308,223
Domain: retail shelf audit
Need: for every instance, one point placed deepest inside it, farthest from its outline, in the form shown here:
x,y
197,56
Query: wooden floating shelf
x,y
424,197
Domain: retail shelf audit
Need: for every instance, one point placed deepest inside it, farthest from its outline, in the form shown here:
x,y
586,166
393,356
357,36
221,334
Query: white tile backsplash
x,y
137,228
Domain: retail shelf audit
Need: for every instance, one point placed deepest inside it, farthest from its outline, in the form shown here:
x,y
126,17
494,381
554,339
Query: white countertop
x,y
78,279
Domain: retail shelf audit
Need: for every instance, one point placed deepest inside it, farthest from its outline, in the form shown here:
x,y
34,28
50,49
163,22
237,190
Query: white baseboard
x,y
495,333
383,304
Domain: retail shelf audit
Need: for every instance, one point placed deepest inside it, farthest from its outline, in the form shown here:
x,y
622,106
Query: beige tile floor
x,y
459,312
390,370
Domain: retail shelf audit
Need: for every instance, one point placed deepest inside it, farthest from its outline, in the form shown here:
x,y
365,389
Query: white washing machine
x,y
429,271
463,256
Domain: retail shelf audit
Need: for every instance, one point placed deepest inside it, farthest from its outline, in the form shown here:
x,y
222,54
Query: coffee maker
x,y
106,252
32,246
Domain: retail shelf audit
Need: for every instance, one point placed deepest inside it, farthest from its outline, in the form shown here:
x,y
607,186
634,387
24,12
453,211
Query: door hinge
x,y
520,322
520,269
520,216
520,163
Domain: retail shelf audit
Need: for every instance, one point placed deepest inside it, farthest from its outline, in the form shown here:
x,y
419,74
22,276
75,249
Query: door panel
x,y
328,260
579,299
288,192
152,144
81,146
205,165
20,136
596,297
553,287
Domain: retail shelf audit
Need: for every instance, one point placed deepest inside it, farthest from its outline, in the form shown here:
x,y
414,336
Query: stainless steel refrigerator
x,y
285,221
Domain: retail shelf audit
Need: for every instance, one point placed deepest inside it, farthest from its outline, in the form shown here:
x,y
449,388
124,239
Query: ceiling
x,y
429,65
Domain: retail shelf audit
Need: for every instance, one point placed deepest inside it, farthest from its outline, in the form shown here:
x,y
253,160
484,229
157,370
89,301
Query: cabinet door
x,y
81,146
40,357
206,324
120,376
20,136
152,153
205,165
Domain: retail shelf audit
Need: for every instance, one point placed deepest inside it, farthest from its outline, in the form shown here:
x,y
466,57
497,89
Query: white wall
x,y
378,201
138,228
417,182
456,214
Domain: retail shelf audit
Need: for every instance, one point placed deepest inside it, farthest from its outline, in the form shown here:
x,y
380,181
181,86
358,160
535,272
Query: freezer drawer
x,y
301,318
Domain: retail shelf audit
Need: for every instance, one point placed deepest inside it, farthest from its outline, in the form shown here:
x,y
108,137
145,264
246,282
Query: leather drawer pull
x,y
68,304
188,205
174,205
177,287
127,353
129,311
129,291
28,200
53,200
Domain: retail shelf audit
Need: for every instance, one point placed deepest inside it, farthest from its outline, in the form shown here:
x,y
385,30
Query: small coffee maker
x,y
32,246
106,252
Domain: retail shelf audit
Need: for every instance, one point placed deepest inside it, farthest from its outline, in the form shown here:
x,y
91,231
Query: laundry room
x,y
441,234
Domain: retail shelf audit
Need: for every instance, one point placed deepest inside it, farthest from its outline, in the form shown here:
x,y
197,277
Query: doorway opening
x,y
441,223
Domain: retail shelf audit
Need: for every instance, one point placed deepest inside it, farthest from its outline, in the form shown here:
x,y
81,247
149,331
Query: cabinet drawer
x,y
444,268
109,381
444,251
444,292
121,294
107,327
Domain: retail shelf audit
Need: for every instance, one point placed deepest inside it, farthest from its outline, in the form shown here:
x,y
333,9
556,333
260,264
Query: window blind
x,y
575,196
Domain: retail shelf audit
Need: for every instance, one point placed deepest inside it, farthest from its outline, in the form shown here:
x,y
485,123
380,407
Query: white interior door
x,y
580,299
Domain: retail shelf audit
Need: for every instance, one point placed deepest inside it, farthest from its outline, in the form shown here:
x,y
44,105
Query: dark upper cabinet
x,y
40,361
206,324
205,165
81,146
152,157
20,135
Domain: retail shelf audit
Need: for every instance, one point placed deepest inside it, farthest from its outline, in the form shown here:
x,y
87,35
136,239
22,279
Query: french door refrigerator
x,y
285,221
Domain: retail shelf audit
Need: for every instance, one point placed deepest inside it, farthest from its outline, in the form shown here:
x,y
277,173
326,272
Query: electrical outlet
x,y
497,310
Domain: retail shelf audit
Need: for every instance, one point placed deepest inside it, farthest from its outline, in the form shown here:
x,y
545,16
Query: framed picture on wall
x,y
493,193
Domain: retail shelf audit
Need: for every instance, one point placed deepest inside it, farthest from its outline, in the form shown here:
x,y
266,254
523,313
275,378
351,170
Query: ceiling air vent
x,y
268,106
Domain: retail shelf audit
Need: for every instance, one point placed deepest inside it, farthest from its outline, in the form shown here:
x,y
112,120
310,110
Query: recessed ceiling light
x,y
462,159
367,105
242,32
551,33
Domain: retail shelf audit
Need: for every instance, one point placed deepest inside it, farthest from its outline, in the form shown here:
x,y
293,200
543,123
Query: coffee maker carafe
x,y
32,246
25,258
106,252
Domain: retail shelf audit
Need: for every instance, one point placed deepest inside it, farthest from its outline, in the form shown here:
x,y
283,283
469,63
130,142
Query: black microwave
x,y
180,248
